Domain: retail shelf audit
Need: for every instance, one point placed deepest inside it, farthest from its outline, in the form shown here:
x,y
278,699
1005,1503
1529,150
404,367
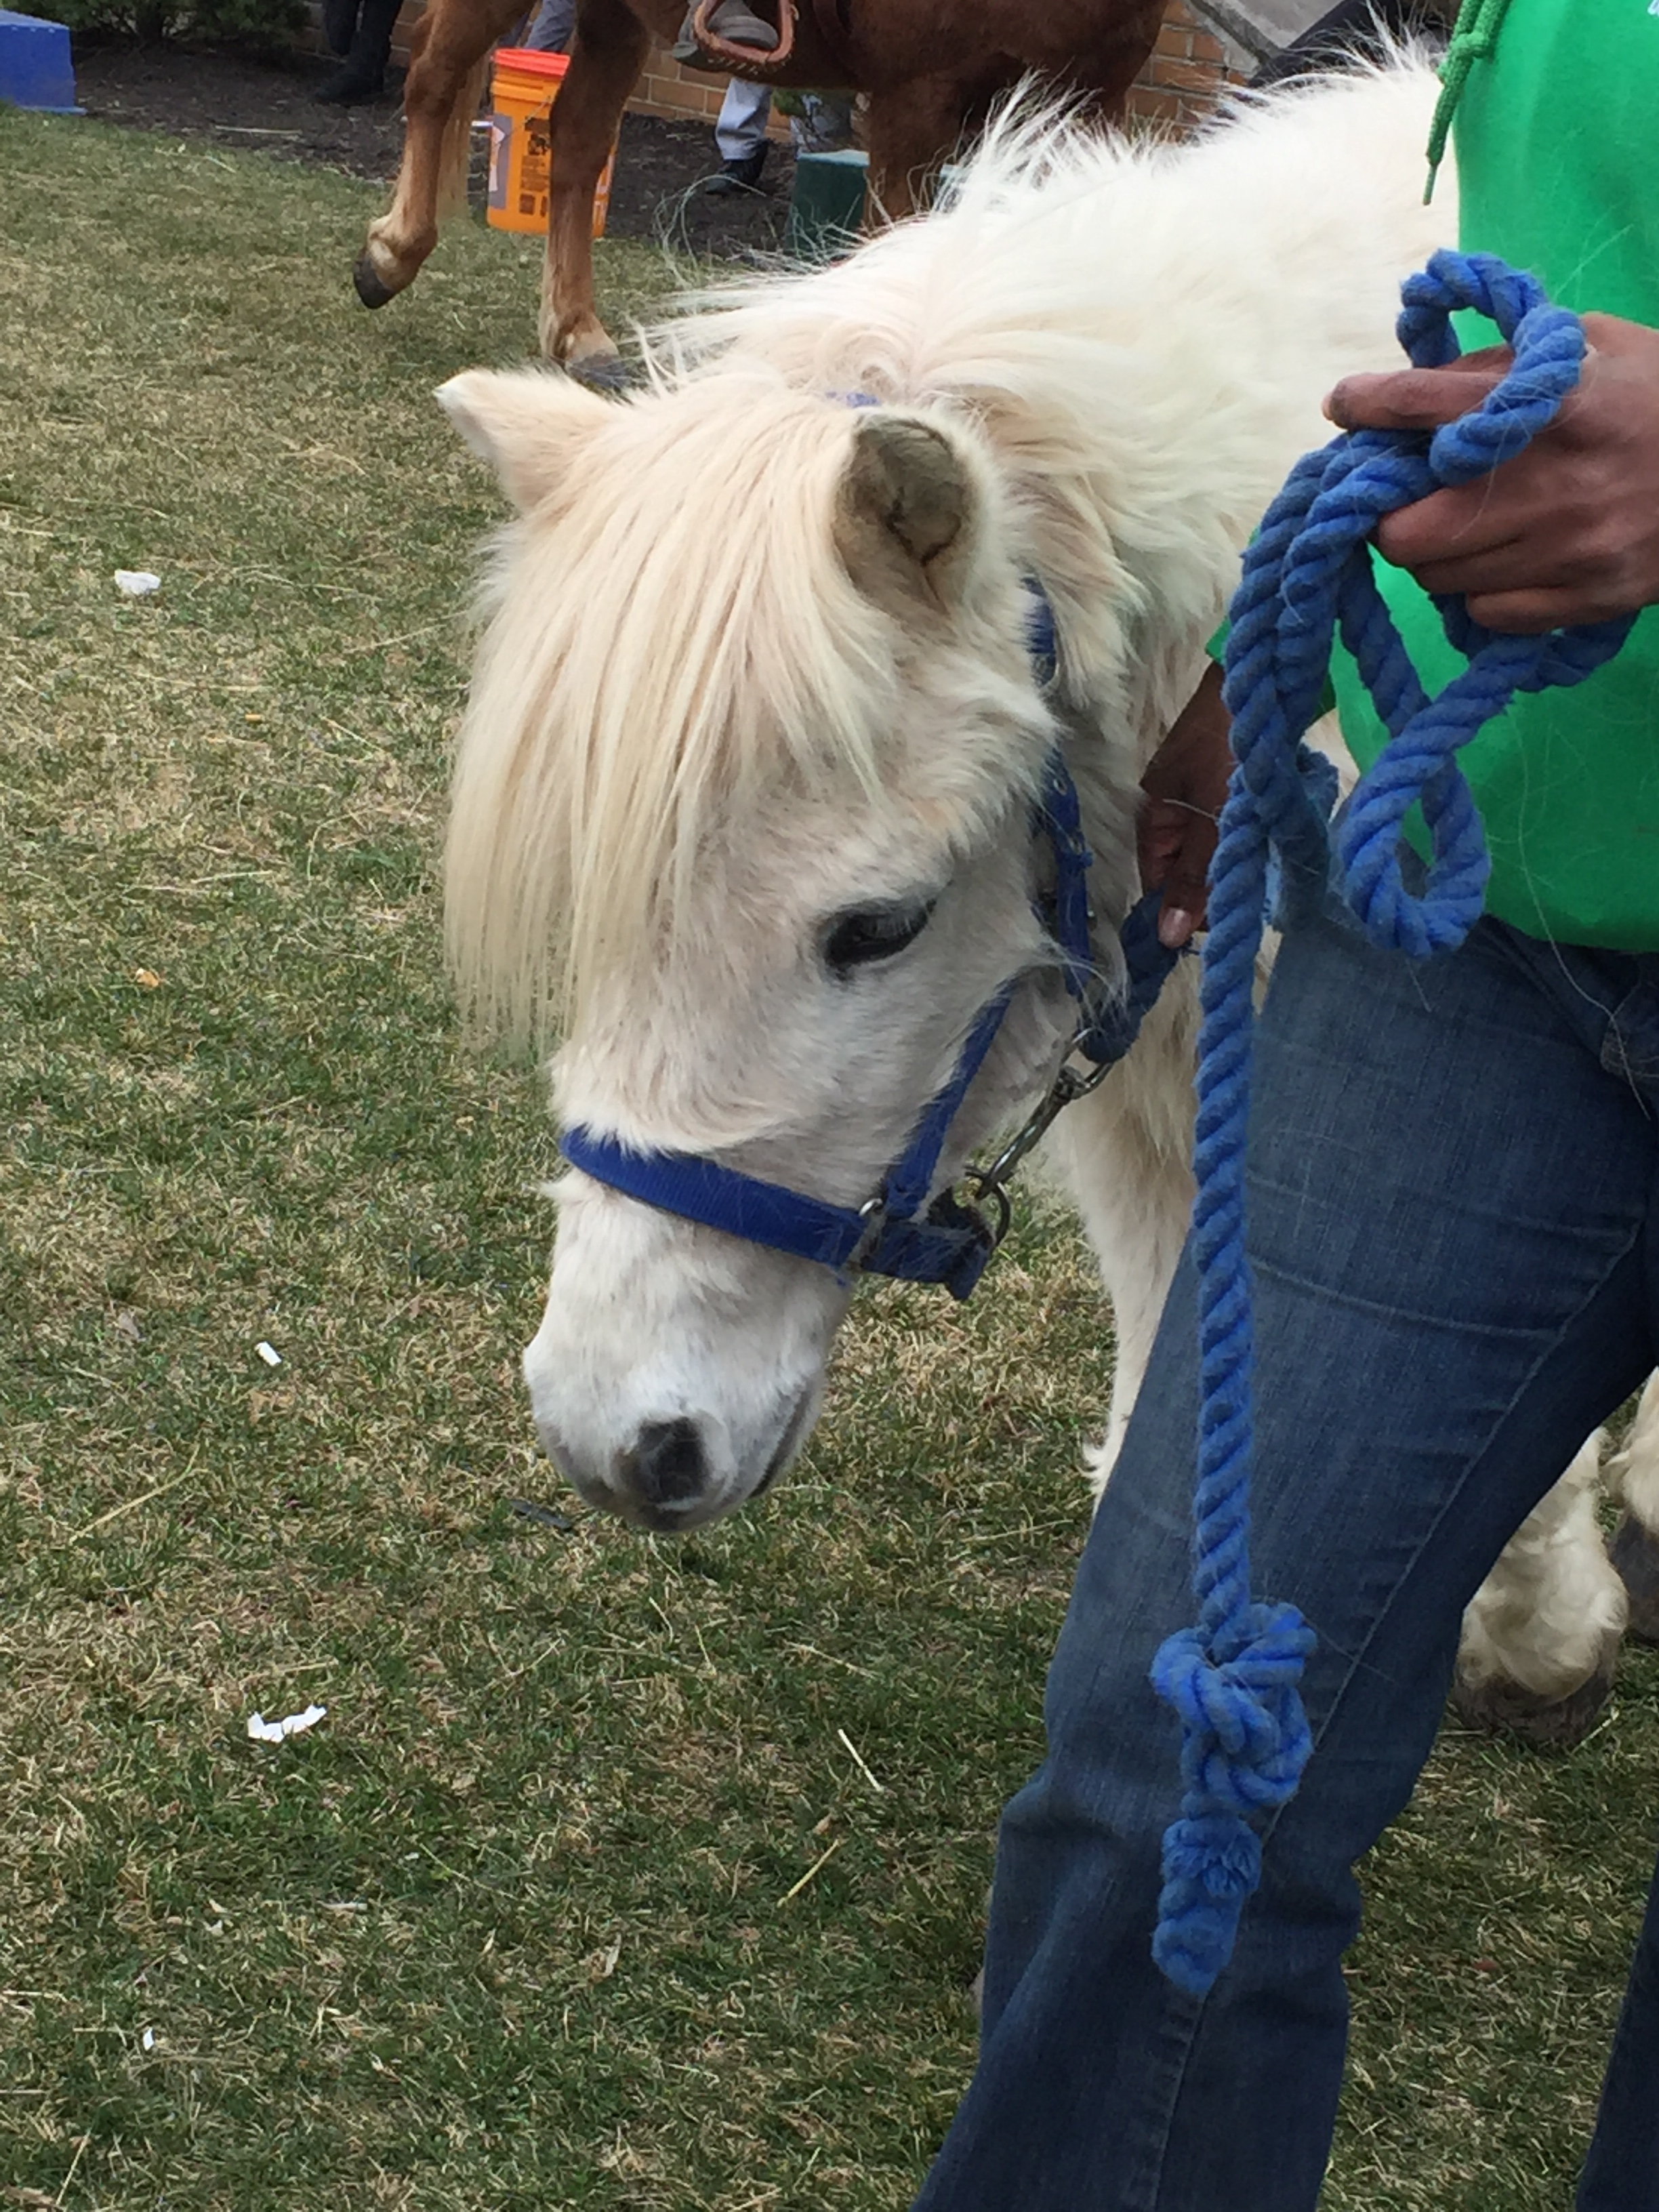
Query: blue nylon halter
x,y
949,1243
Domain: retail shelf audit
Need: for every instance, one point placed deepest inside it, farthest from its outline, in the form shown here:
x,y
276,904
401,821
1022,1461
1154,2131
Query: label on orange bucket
x,y
524,86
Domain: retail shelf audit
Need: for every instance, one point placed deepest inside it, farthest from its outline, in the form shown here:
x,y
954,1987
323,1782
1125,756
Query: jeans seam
x,y
1144,2188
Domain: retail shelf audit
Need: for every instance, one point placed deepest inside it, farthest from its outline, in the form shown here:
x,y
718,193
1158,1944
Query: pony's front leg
x,y
1123,1154
448,56
912,130
609,51
1541,1634
1633,1477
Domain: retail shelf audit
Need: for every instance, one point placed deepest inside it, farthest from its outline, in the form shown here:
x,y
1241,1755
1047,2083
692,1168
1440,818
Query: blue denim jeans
x,y
1453,1232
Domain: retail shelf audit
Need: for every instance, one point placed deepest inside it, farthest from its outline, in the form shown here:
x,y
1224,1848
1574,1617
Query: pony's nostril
x,y
667,1464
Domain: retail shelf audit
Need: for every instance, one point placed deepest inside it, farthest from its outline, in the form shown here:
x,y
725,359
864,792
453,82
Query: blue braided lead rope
x,y
1233,1678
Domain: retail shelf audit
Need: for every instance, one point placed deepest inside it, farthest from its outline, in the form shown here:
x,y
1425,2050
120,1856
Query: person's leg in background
x,y
1450,1206
552,28
362,32
740,135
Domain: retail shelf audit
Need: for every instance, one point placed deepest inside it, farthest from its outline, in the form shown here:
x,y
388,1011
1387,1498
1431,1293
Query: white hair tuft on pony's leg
x,y
1542,1635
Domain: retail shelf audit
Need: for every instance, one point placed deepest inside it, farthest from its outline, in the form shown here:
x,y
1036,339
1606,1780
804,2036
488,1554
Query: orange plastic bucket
x,y
524,84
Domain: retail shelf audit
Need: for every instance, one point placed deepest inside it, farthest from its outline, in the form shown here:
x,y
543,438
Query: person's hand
x,y
1567,531
1185,786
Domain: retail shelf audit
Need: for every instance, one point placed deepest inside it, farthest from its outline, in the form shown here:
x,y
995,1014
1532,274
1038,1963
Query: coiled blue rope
x,y
1233,1678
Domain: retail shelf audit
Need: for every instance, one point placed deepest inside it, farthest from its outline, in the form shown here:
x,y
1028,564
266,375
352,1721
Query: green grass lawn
x,y
522,1923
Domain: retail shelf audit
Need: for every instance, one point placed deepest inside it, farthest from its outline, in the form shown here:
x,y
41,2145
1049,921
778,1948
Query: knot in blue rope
x,y
1233,1679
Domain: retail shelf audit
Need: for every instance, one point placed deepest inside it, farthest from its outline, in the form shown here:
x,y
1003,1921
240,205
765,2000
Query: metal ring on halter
x,y
874,1214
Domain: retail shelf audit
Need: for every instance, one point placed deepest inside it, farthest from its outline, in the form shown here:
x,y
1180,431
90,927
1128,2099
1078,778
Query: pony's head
x,y
742,811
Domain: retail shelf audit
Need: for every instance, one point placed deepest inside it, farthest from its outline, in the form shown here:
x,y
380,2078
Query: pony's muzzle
x,y
670,1479
658,1482
668,1466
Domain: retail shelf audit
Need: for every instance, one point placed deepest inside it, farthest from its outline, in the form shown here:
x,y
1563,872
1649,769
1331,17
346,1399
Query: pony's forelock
x,y
730,647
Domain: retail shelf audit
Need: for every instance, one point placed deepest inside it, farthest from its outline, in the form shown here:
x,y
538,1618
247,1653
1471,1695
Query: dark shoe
x,y
350,87
732,19
339,25
742,176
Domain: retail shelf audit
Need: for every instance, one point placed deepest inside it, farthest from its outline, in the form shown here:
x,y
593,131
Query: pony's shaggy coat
x,y
756,654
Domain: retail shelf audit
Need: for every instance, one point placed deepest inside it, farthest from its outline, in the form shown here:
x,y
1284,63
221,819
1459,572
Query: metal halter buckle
x,y
990,1184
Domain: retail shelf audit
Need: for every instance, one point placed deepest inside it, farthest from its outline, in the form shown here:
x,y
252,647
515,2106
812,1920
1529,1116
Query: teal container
x,y
826,209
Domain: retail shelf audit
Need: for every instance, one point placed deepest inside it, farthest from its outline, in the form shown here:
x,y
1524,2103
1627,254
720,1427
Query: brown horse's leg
x,y
606,57
912,131
447,57
1105,71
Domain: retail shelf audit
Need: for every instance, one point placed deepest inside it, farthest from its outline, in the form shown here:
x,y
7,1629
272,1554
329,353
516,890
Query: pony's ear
x,y
905,511
528,425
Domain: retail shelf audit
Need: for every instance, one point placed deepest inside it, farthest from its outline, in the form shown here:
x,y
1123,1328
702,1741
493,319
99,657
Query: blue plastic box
x,y
35,68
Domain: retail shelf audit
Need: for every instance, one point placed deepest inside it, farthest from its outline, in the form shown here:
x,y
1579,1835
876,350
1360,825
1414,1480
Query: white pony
x,y
742,797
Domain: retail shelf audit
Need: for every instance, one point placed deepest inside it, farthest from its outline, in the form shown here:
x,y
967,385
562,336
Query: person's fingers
x,y
1186,884
1158,832
1529,613
1414,399
1465,523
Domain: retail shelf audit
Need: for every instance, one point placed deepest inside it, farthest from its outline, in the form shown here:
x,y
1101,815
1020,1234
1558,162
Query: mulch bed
x,y
268,103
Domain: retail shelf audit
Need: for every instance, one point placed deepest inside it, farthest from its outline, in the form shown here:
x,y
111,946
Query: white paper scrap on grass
x,y
138,583
269,1353
260,1730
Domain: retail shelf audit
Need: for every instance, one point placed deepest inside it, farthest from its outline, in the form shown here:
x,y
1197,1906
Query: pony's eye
x,y
873,932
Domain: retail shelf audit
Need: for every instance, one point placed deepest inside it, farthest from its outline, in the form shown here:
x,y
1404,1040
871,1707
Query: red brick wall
x,y
1187,69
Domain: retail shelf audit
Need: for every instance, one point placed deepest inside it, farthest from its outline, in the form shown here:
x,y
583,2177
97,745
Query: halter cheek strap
x,y
949,1242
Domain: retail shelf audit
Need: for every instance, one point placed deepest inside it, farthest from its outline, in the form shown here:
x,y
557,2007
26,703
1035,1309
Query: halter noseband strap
x,y
890,1234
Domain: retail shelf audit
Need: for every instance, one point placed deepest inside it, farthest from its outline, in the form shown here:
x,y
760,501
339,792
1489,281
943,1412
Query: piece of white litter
x,y
149,2038
138,583
269,1353
260,1730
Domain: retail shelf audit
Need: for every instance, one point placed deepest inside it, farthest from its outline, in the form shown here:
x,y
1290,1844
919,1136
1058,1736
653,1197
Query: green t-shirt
x,y
1558,158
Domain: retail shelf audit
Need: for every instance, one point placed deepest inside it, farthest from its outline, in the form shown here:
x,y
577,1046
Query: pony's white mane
x,y
654,656
1135,334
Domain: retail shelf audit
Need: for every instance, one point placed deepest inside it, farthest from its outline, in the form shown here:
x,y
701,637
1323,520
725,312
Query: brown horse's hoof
x,y
372,288
1502,1707
1634,1555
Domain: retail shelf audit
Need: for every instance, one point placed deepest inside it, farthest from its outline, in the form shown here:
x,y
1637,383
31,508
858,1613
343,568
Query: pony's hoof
x,y
1502,1707
601,372
372,288
1635,1556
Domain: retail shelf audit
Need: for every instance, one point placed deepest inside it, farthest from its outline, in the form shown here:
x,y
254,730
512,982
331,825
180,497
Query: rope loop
x,y
1233,1679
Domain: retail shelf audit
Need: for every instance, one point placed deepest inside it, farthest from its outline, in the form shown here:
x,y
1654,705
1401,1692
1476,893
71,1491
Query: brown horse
x,y
930,66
